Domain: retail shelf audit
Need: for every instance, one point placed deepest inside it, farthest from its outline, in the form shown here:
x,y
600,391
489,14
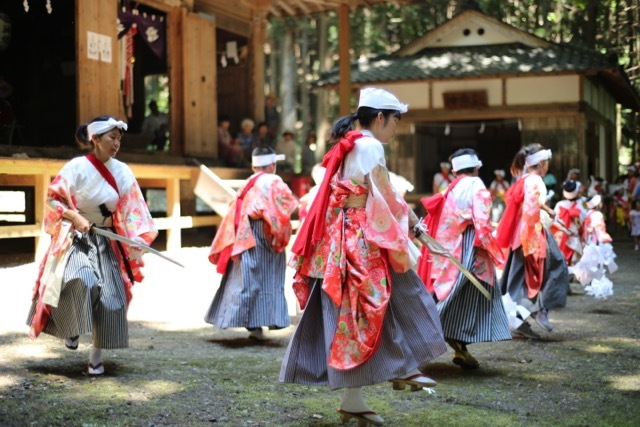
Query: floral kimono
x,y
80,187
571,214
469,203
366,236
267,197
521,226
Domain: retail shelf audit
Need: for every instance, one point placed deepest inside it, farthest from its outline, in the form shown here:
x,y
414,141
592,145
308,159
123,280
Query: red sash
x,y
313,227
103,171
508,226
225,255
434,206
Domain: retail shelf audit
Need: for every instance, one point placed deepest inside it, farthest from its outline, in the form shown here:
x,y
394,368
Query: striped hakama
x,y
251,293
92,297
466,314
411,337
553,293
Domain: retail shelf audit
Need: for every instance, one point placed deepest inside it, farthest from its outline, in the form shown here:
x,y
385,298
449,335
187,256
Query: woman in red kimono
x,y
368,317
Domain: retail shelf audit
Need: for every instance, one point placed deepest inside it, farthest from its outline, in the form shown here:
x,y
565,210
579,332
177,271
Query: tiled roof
x,y
486,61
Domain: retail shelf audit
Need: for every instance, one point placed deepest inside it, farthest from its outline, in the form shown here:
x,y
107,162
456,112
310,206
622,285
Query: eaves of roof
x,y
491,61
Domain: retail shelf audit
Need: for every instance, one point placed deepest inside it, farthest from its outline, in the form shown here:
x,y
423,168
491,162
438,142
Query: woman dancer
x,y
368,317
84,282
528,282
464,229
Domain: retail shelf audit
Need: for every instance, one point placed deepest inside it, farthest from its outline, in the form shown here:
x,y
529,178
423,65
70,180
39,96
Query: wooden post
x,y
345,61
41,185
258,38
174,235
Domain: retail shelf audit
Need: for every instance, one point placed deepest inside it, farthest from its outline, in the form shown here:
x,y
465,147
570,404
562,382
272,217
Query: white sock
x,y
95,356
352,400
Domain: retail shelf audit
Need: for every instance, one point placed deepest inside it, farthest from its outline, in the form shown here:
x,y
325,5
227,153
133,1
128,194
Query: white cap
x,y
465,161
380,99
445,165
499,172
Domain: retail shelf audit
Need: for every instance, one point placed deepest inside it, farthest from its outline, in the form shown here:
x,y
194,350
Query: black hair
x,y
462,152
262,150
569,186
224,118
365,115
517,166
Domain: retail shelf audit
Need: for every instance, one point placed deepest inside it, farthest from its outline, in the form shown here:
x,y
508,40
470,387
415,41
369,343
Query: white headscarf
x,y
100,127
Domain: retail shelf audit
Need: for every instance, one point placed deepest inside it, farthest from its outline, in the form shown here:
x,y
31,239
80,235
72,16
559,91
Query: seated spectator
x,y
262,135
287,146
228,149
247,140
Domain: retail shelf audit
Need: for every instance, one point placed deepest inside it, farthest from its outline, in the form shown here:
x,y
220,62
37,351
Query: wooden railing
x,y
37,173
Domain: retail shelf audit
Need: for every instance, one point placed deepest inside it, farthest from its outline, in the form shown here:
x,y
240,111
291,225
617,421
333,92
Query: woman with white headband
x,y
530,283
367,316
464,229
248,249
85,280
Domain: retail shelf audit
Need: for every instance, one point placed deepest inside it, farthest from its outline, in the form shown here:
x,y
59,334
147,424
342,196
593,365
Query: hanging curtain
x,y
151,28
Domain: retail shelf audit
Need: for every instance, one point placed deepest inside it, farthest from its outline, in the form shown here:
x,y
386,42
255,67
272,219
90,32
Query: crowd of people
x,y
376,307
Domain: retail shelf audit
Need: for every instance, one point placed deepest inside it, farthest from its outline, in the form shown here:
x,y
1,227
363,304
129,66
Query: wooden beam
x,y
41,186
174,237
258,38
345,61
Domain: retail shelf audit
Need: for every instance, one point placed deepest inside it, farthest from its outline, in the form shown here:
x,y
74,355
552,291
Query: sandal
x,y
96,369
401,383
363,418
72,343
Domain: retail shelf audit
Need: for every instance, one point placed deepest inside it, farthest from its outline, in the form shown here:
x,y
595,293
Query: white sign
x,y
105,49
99,47
93,48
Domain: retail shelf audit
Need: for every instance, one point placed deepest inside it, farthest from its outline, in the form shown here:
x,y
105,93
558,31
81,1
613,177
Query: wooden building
x,y
477,82
65,62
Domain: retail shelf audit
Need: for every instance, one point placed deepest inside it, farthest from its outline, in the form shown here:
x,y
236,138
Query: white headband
x,y
499,172
266,159
537,157
594,201
98,128
465,161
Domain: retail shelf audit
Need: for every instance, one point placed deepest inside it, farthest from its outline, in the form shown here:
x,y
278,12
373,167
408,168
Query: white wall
x,y
542,90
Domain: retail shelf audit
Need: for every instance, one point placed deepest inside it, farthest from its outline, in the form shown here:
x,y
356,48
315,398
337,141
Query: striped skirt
x,y
92,297
411,337
251,293
468,316
553,293
556,276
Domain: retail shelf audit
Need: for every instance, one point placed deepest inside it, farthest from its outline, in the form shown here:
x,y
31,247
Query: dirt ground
x,y
179,371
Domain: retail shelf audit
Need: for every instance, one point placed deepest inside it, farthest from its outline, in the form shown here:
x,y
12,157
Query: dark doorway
x,y
37,64
496,141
